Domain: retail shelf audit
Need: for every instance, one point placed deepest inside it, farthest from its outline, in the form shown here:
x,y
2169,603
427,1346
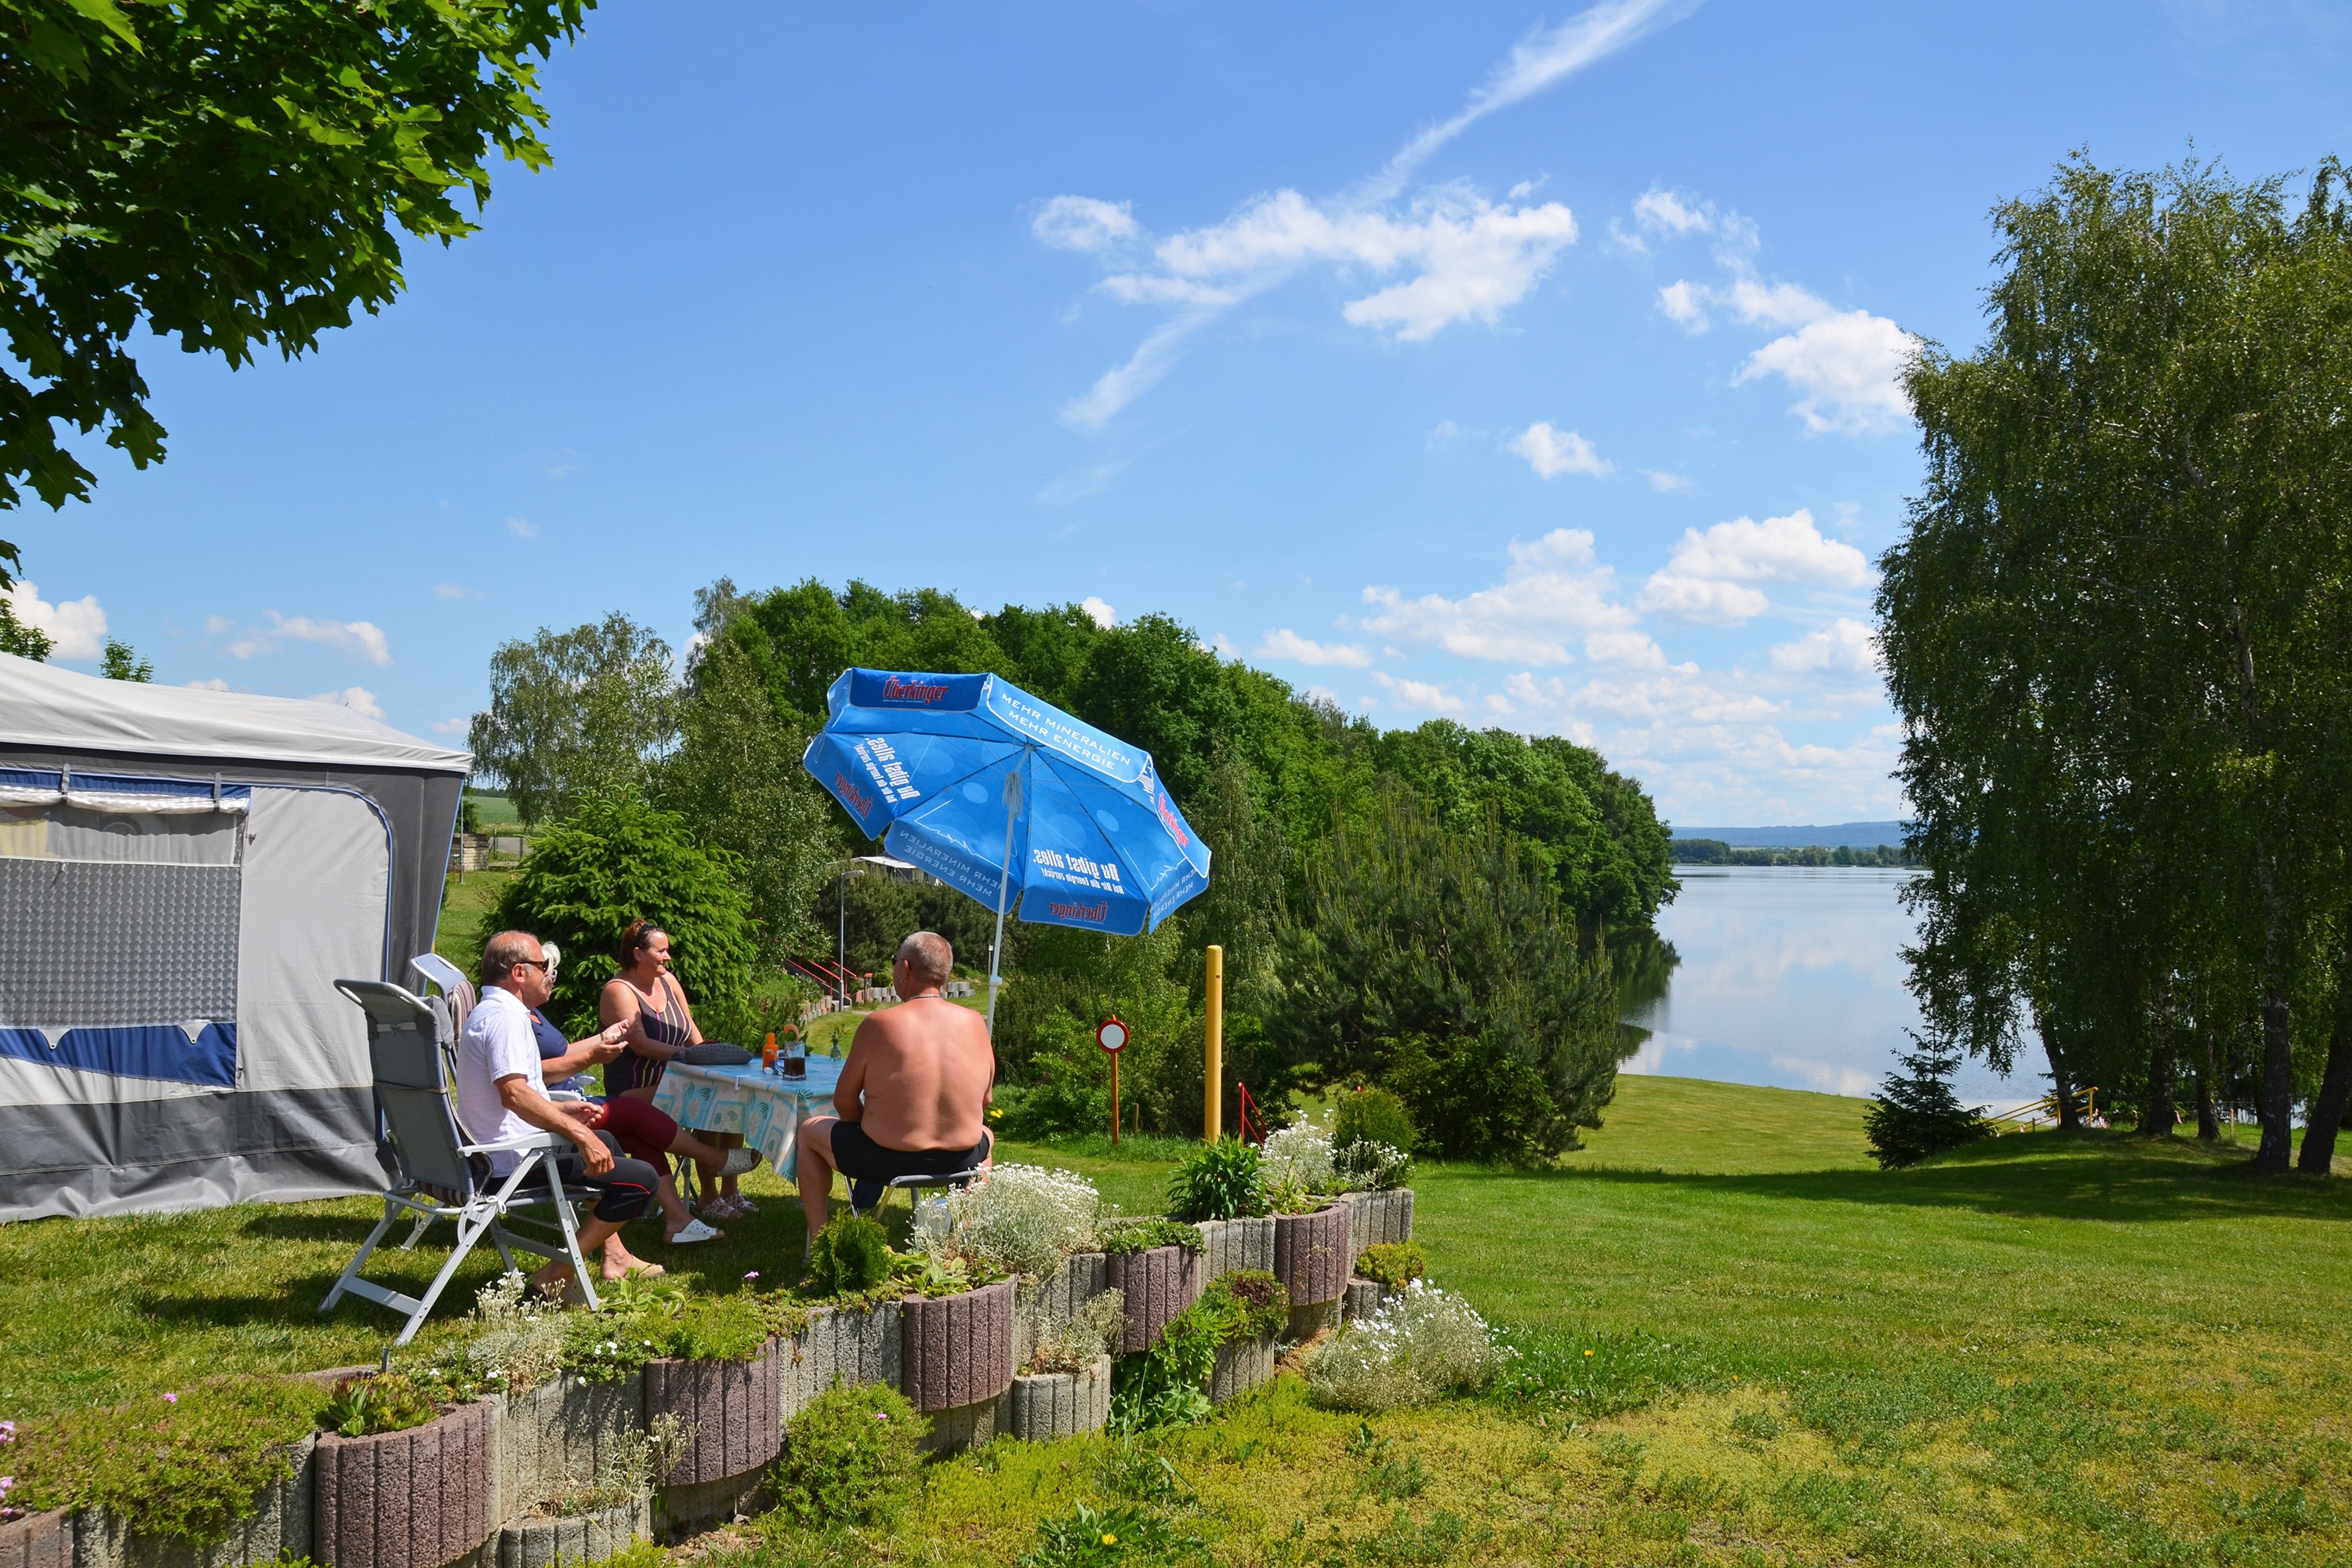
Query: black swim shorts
x,y
860,1158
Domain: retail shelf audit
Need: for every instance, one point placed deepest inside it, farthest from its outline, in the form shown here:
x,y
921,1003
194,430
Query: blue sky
x,y
1528,367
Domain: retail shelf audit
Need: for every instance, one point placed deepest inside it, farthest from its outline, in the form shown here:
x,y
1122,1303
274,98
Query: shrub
x,y
1075,1343
1225,1180
1020,1220
1395,1264
1368,1167
613,861
1368,1113
515,1342
1250,1302
1126,1235
386,1402
1420,1346
1167,1385
1917,1114
186,1464
850,1255
1296,1161
850,1457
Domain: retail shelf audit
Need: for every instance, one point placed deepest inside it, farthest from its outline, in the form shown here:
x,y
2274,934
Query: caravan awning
x,y
44,706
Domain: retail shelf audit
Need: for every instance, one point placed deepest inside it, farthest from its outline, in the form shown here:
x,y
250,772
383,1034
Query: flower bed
x,y
1158,1283
1229,1244
415,1499
38,1540
1046,1406
589,1537
957,1350
734,1410
1311,1256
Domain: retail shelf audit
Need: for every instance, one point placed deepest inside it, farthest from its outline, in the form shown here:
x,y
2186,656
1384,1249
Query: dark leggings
x,y
625,1192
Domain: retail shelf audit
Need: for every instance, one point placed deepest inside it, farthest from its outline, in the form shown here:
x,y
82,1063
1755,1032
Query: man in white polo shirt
x,y
501,1095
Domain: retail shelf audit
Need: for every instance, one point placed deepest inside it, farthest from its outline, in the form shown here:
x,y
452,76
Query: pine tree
x,y
1917,1114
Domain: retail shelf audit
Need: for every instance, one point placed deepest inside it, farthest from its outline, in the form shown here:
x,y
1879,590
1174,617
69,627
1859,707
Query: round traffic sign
x,y
1111,1035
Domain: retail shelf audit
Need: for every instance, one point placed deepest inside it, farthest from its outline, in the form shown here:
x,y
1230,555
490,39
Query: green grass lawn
x,y
2042,1350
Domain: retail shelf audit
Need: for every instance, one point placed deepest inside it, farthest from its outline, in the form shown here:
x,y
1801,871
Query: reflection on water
x,y
1789,976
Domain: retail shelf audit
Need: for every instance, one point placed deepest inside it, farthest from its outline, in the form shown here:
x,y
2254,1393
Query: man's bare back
x,y
925,1069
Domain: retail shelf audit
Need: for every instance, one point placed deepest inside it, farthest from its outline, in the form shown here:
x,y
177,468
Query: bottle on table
x,y
768,1054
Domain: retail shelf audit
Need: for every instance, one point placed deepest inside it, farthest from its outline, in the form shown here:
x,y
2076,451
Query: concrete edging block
x,y
957,1350
1046,1406
576,1538
1310,1253
1158,1285
1229,1246
417,1498
736,1409
1241,1367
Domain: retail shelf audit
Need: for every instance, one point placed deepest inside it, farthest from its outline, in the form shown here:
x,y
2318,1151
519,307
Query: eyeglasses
x,y
532,963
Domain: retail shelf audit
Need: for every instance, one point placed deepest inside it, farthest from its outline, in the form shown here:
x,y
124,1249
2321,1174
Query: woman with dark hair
x,y
643,1133
646,996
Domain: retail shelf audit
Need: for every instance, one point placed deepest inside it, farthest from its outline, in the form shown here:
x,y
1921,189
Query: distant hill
x,y
1853,835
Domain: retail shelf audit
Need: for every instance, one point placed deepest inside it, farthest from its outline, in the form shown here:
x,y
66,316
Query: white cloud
x,y
1668,484
1551,453
1424,697
1535,63
1443,431
449,591
1082,223
1848,365
461,725
1101,613
1712,578
1845,646
75,627
1465,258
1665,212
214,684
1288,645
361,640
1553,592
522,528
358,699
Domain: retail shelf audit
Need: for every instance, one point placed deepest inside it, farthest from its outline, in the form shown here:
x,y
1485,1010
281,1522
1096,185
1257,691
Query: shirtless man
x,y
912,1093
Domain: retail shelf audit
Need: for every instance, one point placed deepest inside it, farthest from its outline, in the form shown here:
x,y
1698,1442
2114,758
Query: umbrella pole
x,y
1004,882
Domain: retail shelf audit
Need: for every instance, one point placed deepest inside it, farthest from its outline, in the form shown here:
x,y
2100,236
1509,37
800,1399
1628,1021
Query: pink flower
x,y
753,1275
170,1399
881,1415
7,1431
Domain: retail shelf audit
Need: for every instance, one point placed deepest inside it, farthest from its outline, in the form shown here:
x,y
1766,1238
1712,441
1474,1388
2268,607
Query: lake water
x,y
1791,976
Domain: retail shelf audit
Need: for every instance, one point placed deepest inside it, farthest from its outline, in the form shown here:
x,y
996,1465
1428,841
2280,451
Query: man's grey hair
x,y
503,951
927,953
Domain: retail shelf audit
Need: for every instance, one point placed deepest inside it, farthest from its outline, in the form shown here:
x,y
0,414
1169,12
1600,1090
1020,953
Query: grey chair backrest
x,y
405,1057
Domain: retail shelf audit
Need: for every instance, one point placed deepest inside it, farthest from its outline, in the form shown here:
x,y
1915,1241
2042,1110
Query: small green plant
x,y
365,1405
1394,1264
1130,1236
185,1464
1368,1113
850,1458
1131,1465
1250,1303
1096,1538
1396,1477
1755,1426
1075,1343
1225,1180
850,1255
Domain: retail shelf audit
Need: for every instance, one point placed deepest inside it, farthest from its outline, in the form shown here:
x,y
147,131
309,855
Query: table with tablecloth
x,y
766,1108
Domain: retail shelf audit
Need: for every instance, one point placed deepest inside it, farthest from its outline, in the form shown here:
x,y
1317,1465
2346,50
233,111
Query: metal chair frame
x,y
439,1179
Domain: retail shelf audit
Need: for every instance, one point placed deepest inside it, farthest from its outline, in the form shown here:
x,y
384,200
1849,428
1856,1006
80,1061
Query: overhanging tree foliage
x,y
2119,632
233,173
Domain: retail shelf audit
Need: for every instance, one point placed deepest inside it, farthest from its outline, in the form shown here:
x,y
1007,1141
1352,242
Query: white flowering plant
x,y
1424,1344
1298,1158
1018,1219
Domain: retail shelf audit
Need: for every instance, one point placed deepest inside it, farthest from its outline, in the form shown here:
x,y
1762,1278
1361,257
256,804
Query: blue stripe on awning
x,y
137,1050
123,784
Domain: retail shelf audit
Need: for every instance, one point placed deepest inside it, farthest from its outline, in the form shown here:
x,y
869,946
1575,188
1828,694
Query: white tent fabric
x,y
44,706
183,874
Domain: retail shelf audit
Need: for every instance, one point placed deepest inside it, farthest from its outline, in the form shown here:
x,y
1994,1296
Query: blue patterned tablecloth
x,y
765,1107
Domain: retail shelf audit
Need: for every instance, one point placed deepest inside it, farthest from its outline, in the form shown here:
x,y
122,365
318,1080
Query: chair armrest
x,y
563,1096
518,1146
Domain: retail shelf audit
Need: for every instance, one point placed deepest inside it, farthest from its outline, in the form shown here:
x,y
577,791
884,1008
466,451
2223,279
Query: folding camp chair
x,y
438,1176
945,1182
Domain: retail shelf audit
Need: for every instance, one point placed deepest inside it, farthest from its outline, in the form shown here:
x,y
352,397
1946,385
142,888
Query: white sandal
x,y
694,1230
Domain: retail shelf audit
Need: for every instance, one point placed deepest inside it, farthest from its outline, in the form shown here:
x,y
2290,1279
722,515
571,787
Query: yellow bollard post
x,y
1213,1100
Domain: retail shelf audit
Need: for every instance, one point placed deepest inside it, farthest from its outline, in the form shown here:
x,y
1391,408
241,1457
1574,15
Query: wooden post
x,y
1213,1102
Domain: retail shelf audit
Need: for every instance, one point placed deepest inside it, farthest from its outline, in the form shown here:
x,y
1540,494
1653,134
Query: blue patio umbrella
x,y
1008,800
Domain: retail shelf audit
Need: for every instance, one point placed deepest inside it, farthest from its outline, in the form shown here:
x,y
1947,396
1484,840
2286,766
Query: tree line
x,y
1716,852
2118,632
1439,910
